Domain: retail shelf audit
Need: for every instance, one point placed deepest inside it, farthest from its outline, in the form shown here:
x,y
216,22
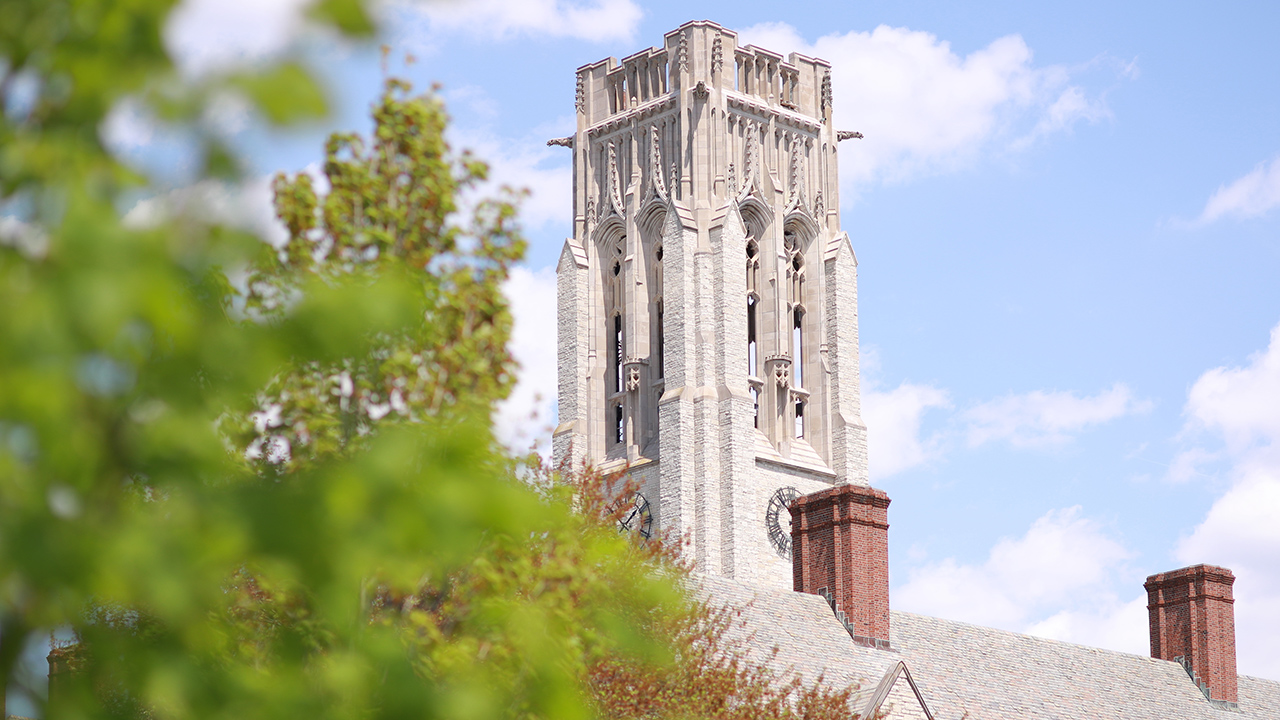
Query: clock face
x,y
636,517
777,520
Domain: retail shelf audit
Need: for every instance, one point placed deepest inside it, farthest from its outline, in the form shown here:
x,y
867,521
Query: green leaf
x,y
285,94
350,16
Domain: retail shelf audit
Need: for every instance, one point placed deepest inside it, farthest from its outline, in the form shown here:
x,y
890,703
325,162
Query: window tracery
x,y
615,302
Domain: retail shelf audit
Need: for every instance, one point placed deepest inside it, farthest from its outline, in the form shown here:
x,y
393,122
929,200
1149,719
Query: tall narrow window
x,y
797,348
619,425
659,341
799,418
662,366
617,353
753,337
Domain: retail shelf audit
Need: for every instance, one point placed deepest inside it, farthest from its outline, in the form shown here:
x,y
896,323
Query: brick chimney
x,y
1193,622
840,550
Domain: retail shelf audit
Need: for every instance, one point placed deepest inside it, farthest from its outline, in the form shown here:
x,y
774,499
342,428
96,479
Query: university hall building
x,y
708,343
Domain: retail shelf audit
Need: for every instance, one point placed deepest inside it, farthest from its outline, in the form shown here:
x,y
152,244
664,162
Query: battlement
x,y
704,57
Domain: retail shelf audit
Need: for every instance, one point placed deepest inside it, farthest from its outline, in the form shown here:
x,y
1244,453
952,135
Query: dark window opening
x,y
751,336
797,349
661,344
799,418
617,353
619,425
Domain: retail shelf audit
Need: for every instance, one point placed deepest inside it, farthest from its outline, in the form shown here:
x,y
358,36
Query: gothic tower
x,y
708,318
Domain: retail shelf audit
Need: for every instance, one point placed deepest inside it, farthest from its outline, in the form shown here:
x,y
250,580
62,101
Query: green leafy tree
x,y
389,207
197,587
283,499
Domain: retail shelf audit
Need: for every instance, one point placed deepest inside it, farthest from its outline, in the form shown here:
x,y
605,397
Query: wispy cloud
x,y
926,109
1250,196
1042,418
591,20
898,439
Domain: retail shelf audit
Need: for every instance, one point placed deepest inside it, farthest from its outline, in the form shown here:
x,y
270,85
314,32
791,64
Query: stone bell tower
x,y
708,316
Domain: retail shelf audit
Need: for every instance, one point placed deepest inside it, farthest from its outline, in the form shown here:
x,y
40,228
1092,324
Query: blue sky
x,y
1067,219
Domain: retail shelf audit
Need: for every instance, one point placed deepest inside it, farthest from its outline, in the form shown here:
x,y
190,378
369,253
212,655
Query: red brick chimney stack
x,y
1193,622
840,550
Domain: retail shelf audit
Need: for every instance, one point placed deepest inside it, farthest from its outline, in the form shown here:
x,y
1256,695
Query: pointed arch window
x,y
615,305
753,326
795,303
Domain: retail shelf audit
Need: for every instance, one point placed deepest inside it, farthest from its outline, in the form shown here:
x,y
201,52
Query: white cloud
x,y
1110,624
1070,107
893,422
524,164
1250,196
28,238
1241,407
1242,403
1047,418
592,20
528,416
1060,568
923,108
204,34
247,206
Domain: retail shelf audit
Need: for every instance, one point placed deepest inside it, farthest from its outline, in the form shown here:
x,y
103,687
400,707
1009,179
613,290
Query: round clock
x,y
636,516
777,520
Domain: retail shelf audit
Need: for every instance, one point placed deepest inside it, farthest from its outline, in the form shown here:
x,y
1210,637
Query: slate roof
x,y
987,674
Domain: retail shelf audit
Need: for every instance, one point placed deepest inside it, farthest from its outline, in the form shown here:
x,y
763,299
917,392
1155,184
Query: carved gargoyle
x,y
848,135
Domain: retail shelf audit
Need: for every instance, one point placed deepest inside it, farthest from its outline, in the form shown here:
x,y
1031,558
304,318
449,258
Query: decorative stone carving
x,y
700,90
779,368
580,95
615,187
682,54
591,214
819,208
797,175
561,142
733,180
848,135
655,163
631,371
826,94
717,56
752,158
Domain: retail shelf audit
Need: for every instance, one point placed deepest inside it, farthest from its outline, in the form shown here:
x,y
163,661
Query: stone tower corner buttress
x,y
708,329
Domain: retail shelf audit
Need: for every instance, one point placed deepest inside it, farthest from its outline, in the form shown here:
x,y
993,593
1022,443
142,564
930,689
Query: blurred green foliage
x,y
280,497
200,578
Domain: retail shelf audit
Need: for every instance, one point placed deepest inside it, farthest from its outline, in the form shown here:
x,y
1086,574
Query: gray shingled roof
x,y
988,674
